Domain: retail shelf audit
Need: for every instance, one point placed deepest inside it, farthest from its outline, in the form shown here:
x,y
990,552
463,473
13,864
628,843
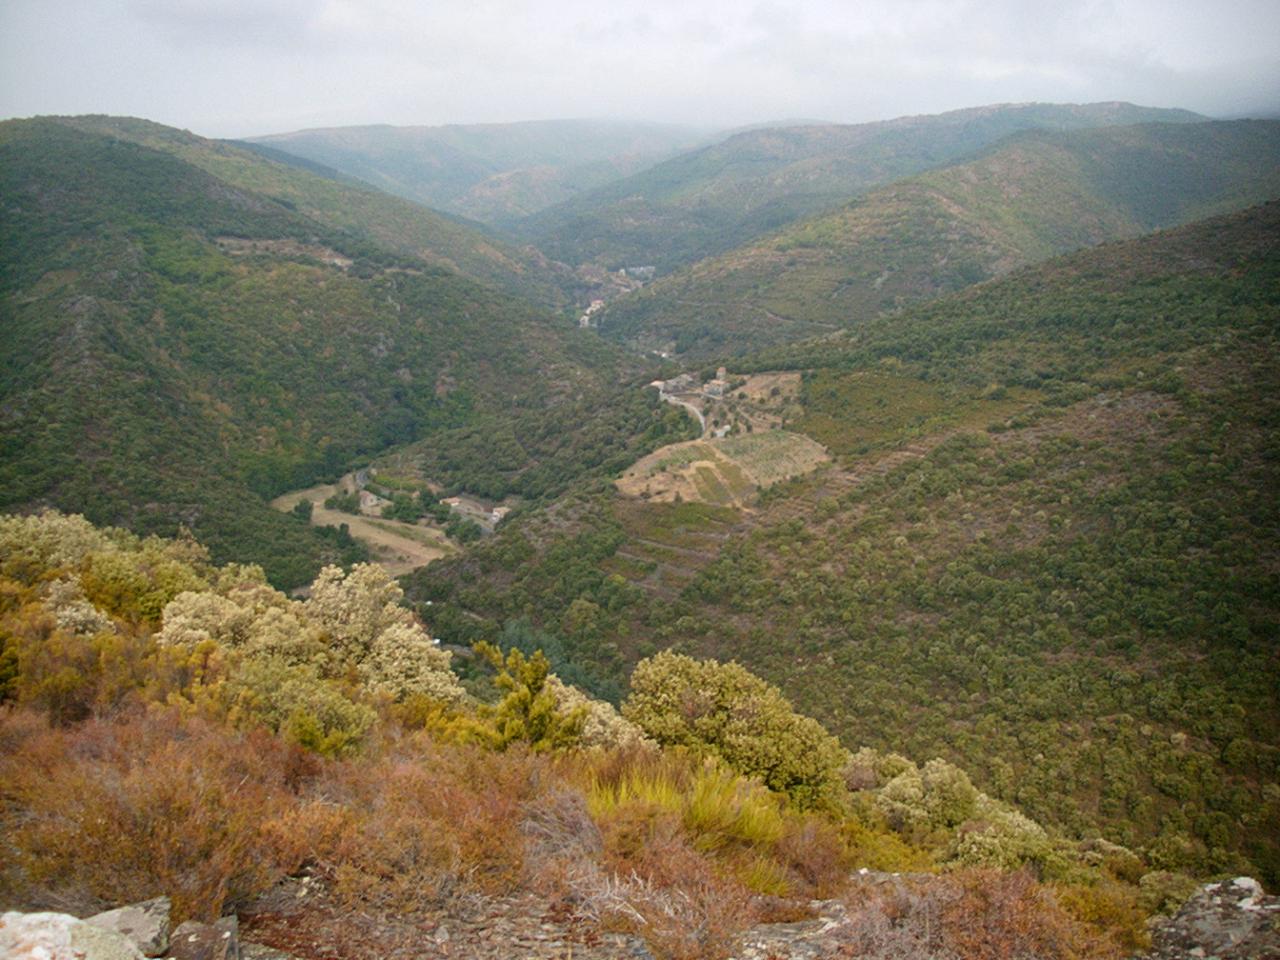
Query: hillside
x,y
193,330
342,205
710,200
1046,549
323,772
1031,197
492,172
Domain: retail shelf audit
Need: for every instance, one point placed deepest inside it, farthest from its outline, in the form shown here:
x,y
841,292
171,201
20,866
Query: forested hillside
x,y
1046,549
710,200
492,172
392,224
191,329
1033,196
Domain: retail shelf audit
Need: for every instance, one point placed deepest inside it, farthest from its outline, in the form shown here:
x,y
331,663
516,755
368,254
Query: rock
x,y
60,936
1231,920
206,941
145,924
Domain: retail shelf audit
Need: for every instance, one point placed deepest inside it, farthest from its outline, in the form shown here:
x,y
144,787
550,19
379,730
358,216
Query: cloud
x,y
235,67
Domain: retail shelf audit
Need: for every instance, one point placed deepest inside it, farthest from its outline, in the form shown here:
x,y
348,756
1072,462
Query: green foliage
x,y
530,712
231,350
346,502
464,530
1026,199
723,710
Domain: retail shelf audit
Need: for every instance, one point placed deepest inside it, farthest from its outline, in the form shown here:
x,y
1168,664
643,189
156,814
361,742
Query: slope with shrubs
x,y
182,347
1034,196
349,208
710,200
1046,551
174,727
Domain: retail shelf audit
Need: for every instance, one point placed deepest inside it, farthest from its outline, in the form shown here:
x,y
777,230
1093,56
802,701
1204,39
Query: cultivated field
x,y
726,473
397,547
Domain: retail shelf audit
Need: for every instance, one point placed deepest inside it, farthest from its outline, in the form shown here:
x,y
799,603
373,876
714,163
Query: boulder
x,y
206,941
60,936
1231,920
146,924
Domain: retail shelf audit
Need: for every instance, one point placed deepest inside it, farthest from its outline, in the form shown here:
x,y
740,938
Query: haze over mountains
x,y
494,173
1029,197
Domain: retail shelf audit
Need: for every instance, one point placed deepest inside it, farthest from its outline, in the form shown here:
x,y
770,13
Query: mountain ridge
x,y
1033,195
712,199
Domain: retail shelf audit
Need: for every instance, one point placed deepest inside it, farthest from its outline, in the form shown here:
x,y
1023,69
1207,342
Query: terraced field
x,y
728,472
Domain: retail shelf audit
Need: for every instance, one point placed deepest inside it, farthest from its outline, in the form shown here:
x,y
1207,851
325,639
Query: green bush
x,y
724,710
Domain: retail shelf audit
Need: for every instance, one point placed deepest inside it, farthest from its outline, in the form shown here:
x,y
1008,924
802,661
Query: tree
x,y
531,711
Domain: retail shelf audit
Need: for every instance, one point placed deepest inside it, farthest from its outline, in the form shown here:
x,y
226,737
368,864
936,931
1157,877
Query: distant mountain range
x,y
491,172
1031,196
710,200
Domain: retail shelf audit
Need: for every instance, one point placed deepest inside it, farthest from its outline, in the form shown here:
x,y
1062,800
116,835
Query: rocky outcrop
x,y
1231,920
134,932
144,924
60,936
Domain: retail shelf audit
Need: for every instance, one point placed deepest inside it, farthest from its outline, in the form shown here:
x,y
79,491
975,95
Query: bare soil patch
x,y
396,546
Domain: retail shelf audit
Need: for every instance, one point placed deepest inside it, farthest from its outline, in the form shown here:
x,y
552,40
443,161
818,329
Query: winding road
x,y
671,398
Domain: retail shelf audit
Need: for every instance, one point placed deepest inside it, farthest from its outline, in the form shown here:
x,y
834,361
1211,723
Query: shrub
x,y
110,814
530,712
723,710
602,725
970,914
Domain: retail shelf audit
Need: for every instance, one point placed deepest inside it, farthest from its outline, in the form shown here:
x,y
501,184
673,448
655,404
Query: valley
x,y
655,524
396,546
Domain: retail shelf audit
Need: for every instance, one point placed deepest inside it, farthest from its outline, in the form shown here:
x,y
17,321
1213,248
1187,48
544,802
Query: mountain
x,y
710,200
1030,197
1043,544
490,172
191,328
346,206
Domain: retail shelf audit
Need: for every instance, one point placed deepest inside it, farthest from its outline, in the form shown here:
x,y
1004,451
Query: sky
x,y
231,68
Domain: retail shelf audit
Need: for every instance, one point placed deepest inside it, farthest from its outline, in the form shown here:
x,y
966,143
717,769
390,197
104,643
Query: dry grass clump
x,y
693,854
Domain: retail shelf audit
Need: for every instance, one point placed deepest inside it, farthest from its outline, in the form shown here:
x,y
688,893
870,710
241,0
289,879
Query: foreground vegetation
x,y
171,726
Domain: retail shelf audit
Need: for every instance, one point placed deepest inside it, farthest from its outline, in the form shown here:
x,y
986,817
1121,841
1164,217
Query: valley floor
x,y
396,546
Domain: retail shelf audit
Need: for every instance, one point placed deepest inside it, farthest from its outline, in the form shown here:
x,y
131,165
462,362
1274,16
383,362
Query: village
x,y
686,388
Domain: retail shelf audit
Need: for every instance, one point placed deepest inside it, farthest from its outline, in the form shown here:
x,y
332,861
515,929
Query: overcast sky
x,y
242,67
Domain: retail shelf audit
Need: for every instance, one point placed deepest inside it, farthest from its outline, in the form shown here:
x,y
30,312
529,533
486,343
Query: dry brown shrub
x,y
423,824
967,915
815,855
682,907
112,813
559,837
